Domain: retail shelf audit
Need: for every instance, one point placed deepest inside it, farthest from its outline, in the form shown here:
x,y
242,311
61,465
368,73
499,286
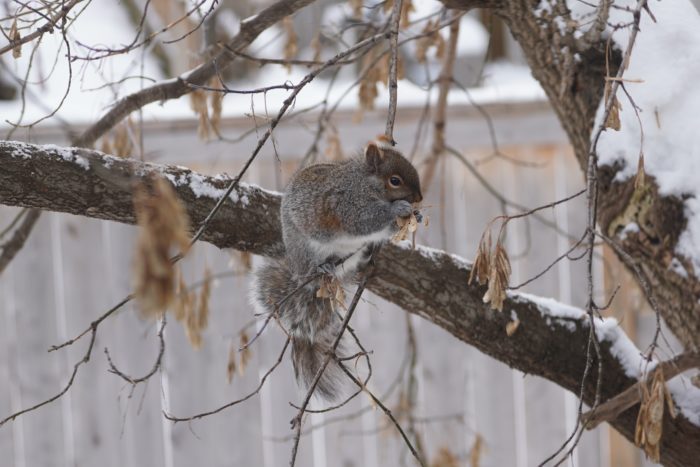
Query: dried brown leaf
x,y
432,40
695,380
498,278
406,9
245,353
331,288
198,103
291,46
445,458
184,300
476,451
512,326
316,47
356,6
613,120
640,179
246,260
231,365
649,428
15,37
407,225
334,150
482,263
192,329
106,145
204,295
216,100
367,90
121,141
163,226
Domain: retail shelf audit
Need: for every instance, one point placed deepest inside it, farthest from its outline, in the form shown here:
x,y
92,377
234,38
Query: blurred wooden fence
x,y
74,269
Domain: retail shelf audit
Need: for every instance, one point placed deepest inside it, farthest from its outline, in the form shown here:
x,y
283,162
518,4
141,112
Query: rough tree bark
x,y
429,283
575,89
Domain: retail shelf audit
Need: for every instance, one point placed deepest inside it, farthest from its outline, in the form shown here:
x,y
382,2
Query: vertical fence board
x,y
40,373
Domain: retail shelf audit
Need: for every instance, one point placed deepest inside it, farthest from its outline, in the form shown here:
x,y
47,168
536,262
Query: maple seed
x,y
512,326
163,226
649,429
407,225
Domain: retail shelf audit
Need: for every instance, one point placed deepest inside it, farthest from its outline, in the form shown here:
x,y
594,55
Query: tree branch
x,y
574,81
175,88
19,237
426,282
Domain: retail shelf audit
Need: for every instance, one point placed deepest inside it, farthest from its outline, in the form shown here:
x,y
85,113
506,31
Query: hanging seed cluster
x,y
492,267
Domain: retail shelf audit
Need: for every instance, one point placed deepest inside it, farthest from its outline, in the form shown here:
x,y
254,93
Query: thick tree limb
x,y
429,283
575,89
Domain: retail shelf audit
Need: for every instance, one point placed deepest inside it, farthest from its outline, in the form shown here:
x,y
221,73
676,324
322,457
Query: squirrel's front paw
x,y
328,267
401,208
419,215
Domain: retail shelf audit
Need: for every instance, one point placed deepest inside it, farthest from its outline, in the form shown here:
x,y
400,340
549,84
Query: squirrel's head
x,y
400,178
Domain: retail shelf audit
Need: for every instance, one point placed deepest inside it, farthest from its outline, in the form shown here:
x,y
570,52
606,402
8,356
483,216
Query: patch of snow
x,y
68,154
632,227
550,307
622,348
201,187
687,398
677,267
607,329
435,254
19,149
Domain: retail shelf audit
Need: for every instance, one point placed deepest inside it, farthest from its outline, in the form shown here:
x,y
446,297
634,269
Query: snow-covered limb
x,y
90,183
684,394
550,342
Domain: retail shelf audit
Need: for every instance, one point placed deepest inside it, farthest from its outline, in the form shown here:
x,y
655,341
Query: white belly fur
x,y
345,245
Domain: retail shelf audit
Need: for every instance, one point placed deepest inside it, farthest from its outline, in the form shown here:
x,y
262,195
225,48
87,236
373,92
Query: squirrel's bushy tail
x,y
310,321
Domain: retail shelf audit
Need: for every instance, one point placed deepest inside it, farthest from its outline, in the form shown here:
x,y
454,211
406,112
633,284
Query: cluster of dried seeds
x,y
164,226
492,266
649,428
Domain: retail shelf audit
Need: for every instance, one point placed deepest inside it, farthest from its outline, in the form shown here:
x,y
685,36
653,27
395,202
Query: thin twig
x,y
393,70
18,239
173,418
47,27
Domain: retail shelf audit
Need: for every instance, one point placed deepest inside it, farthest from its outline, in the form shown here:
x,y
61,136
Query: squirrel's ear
x,y
374,156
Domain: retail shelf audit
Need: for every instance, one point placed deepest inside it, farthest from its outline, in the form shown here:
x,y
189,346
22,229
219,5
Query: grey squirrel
x,y
332,215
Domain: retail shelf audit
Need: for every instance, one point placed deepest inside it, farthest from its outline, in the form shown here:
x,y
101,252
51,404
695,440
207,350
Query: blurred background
x,y
458,405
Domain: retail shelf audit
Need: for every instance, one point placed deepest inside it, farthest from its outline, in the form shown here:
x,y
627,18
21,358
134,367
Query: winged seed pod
x,y
15,37
498,278
216,100
198,103
291,46
512,326
613,120
231,364
649,428
163,226
245,353
407,226
482,263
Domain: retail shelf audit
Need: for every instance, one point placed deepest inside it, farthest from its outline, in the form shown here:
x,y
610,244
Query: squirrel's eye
x,y
395,181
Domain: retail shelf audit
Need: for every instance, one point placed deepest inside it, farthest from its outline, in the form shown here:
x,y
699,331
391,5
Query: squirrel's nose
x,y
417,197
